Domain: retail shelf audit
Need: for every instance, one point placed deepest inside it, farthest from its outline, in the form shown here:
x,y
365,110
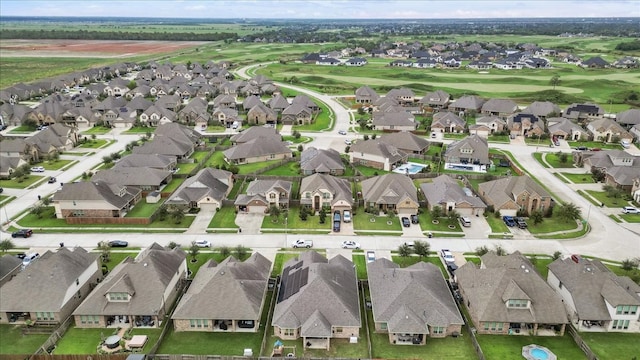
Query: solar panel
x,y
292,281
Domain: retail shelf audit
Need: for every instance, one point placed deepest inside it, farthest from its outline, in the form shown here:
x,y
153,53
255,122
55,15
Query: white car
x,y
630,210
37,169
371,256
346,216
350,244
203,243
447,256
342,132
302,243
348,142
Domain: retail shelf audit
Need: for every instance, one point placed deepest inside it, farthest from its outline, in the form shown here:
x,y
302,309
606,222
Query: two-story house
x,y
468,154
320,191
262,194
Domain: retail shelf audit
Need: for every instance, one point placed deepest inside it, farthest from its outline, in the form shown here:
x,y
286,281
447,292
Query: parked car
x,y
581,148
118,243
415,219
522,224
28,259
336,226
509,221
21,255
350,244
452,267
37,169
302,243
342,132
24,233
405,221
465,221
203,243
336,216
346,216
52,180
625,143
447,255
348,142
371,256
630,210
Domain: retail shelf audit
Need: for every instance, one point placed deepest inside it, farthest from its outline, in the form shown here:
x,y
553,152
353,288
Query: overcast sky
x,y
323,9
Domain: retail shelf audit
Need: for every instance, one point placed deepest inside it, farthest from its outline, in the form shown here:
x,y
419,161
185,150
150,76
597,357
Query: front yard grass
x,y
596,144
56,164
294,222
579,178
496,224
426,223
93,143
554,160
551,224
362,221
612,346
631,218
21,183
607,201
225,217
12,341
98,130
509,347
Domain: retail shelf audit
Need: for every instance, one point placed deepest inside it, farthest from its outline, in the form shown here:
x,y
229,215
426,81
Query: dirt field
x,y
89,48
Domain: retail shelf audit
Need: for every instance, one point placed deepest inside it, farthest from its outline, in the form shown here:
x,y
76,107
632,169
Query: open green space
x,y
94,143
97,130
509,347
612,346
613,202
13,342
225,217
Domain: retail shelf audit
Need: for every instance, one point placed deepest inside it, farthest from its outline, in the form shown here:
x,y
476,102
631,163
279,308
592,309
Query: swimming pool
x,y
537,352
409,168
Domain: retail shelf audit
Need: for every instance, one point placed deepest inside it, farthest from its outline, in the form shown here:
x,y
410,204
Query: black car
x,y
415,219
21,255
118,243
405,221
336,226
52,180
25,233
522,224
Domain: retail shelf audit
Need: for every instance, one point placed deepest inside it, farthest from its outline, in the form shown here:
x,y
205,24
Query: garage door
x,y
257,209
209,207
406,211
464,211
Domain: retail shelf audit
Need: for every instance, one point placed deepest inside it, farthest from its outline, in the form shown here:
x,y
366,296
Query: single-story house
x,y
377,154
95,199
321,161
445,192
206,189
515,193
390,192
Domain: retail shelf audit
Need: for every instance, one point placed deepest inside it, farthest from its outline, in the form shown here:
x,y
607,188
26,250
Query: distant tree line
x,y
629,46
113,35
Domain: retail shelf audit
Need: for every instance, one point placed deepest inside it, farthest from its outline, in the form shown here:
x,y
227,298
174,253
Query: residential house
x,y
225,100
278,103
137,292
261,114
404,96
468,154
47,290
366,95
395,121
447,122
117,87
542,109
9,164
596,299
10,266
205,190
595,62
238,290
305,101
156,115
515,193
262,194
19,149
255,132
626,62
321,161
499,107
608,130
390,192
487,125
192,111
628,118
412,303
94,199
250,101
582,112
376,154
467,104
145,178
13,114
264,148
438,99
57,138
171,139
296,114
226,116
563,128
331,287
506,295
522,124
155,161
446,193
407,142
322,191
357,61
328,61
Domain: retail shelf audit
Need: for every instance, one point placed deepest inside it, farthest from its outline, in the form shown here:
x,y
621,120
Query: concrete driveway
x,y
201,222
413,231
479,228
250,223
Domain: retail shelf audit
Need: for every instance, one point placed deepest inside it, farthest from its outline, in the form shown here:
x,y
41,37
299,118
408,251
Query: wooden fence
x,y
53,339
581,344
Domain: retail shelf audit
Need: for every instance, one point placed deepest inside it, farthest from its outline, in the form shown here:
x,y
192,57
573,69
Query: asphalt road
x,y
607,239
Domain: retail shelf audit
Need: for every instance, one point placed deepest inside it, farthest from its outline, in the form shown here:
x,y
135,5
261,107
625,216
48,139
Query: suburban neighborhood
x,y
174,209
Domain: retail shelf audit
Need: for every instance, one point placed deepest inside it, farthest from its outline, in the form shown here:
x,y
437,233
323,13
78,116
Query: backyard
x,y
509,347
13,341
85,341
612,346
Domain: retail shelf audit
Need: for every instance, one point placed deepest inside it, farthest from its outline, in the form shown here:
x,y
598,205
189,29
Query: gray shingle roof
x,y
236,288
542,108
146,279
8,263
156,161
320,160
470,102
329,297
508,277
447,119
500,106
378,148
508,189
590,283
116,195
443,189
44,284
255,132
460,149
412,298
402,118
406,141
629,117
389,189
340,188
207,182
129,176
260,146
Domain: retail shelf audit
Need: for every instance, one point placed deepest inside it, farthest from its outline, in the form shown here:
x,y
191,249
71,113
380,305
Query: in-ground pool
x,y
409,168
537,352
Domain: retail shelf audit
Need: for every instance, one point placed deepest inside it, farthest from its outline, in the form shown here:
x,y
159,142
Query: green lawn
x,y
289,169
612,346
496,224
631,218
579,178
82,341
13,342
21,183
173,184
505,347
143,209
216,159
360,262
225,217
98,130
362,221
608,201
426,223
294,222
550,224
369,171
139,130
282,258
116,257
554,160
254,167
595,144
199,156
203,343
186,168
205,255
93,143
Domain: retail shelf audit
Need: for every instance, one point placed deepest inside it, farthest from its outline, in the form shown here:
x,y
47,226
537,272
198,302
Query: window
x,y
338,330
307,195
44,316
198,323
493,326
626,309
89,319
289,332
620,324
118,296
272,196
518,303
437,330
383,326
326,195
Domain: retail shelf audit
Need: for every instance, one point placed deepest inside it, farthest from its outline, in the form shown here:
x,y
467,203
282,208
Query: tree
x,y
241,252
322,215
224,251
274,212
37,211
556,255
500,251
6,245
628,265
173,245
404,250
194,250
132,85
612,191
453,216
421,248
304,213
555,81
366,137
563,157
162,213
105,251
568,212
296,134
537,216
436,212
177,215
107,160
481,250
597,174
